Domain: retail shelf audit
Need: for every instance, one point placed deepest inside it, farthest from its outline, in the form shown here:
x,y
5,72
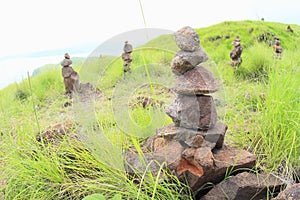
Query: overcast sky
x,y
33,26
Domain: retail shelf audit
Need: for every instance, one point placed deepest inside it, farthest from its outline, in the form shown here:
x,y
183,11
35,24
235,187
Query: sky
x,y
34,32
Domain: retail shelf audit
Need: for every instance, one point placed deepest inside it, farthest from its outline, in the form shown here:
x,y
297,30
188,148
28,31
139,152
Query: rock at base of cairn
x,y
290,193
175,158
194,112
245,186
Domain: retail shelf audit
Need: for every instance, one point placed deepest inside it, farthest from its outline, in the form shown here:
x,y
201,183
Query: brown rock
x,y
185,60
158,143
186,166
195,112
290,193
196,81
204,157
169,155
226,160
197,141
245,186
189,153
187,39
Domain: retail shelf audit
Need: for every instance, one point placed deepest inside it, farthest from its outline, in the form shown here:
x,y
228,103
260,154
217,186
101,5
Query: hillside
x,y
77,61
259,101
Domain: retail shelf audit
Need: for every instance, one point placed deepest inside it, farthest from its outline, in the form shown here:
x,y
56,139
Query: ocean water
x,y
16,70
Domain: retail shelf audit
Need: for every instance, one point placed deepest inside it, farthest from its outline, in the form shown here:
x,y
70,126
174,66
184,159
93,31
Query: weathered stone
x,y
67,71
197,141
185,60
226,160
196,81
245,186
127,47
158,143
212,138
66,62
186,166
189,153
137,164
204,157
187,39
55,133
170,155
195,112
290,193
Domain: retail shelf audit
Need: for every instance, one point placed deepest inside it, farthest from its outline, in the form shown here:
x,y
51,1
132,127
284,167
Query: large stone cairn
x,y
191,148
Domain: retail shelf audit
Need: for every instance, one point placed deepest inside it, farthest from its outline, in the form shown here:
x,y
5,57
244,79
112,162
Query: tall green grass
x,y
262,112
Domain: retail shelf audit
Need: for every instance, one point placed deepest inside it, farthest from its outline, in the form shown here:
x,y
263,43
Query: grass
x,y
259,102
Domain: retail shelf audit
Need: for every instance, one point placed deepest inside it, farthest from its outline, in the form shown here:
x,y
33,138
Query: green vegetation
x,y
259,102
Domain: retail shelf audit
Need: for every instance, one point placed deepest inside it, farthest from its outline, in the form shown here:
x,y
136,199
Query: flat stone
x,y
290,193
66,62
245,186
185,60
196,81
187,39
194,112
213,138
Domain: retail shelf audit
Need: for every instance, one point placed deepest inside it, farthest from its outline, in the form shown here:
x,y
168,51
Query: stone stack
x,y
191,148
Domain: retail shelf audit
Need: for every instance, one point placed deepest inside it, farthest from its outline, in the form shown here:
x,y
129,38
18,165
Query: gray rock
x,y
213,138
185,60
196,81
67,71
290,193
187,39
245,186
66,62
195,112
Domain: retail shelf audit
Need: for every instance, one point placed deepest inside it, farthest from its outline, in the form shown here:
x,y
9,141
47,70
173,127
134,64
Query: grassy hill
x,y
77,61
259,101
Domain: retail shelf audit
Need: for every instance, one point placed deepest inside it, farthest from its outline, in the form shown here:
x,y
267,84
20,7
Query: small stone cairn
x,y
277,48
126,57
191,148
71,77
236,53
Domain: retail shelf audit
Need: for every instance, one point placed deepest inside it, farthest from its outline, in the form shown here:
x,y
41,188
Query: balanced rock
x,y
66,62
194,112
196,81
185,60
213,138
187,39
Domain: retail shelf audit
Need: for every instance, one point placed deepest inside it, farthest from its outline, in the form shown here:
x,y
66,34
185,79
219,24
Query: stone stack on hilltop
x,y
192,148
